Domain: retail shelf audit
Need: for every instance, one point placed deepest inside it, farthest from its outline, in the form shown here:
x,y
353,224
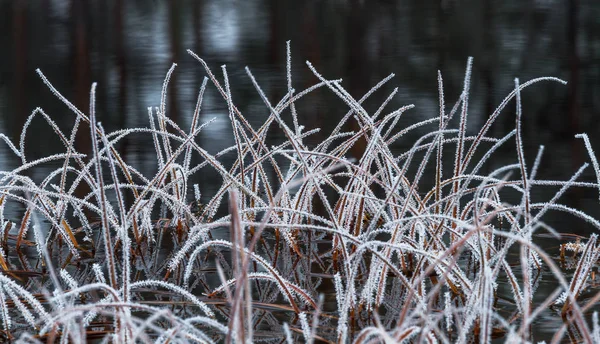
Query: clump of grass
x,y
137,259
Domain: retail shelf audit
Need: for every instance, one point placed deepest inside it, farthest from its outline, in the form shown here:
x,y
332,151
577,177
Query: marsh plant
x,y
300,242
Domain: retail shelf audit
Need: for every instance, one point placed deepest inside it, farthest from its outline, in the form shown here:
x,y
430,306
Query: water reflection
x,y
130,44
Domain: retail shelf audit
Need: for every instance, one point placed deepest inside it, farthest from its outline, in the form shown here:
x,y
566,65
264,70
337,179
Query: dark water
x,y
128,46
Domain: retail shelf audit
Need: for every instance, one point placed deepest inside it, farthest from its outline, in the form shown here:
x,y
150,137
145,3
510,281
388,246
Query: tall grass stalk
x,y
389,246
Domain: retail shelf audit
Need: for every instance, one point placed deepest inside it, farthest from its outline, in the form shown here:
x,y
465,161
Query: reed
x,y
321,246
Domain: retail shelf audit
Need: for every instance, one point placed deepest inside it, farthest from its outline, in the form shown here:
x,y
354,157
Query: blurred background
x,y
127,46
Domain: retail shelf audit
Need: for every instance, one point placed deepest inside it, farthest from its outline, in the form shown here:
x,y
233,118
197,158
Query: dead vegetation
x,y
320,248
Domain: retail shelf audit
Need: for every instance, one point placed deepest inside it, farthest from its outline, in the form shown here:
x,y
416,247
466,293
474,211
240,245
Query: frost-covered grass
x,y
321,246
